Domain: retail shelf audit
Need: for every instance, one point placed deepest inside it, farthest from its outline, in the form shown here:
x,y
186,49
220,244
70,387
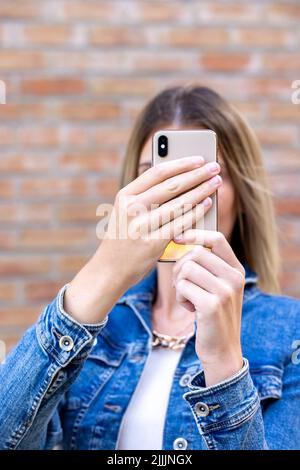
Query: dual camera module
x,y
163,146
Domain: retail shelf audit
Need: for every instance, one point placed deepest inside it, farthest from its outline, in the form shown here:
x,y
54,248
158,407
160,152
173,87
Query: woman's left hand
x,y
210,283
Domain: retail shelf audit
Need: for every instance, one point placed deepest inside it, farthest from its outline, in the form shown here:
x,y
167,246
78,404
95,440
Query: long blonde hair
x,y
254,237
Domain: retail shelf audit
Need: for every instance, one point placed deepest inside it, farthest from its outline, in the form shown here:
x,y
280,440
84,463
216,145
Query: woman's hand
x,y
147,213
210,283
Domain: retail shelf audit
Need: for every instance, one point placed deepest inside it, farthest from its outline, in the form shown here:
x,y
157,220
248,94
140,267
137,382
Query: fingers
x,y
194,272
181,223
162,172
205,178
187,291
179,206
218,244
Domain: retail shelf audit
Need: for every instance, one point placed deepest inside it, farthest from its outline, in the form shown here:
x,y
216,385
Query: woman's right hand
x,y
147,213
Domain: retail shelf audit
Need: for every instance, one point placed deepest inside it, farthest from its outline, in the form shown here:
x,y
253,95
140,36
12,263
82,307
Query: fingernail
x,y
216,180
207,202
198,160
213,166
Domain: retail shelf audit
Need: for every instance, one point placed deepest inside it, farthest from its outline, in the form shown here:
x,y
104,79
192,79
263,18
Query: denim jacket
x,y
67,384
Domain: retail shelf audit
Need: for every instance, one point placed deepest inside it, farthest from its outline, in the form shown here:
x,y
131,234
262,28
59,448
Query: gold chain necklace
x,y
170,342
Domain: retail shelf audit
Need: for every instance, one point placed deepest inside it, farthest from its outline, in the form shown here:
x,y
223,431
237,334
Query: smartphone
x,y
171,144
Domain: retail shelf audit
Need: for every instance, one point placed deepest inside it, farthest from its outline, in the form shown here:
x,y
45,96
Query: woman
x,y
197,354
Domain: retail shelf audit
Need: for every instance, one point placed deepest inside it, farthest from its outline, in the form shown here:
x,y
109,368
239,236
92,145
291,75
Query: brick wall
x,y
77,72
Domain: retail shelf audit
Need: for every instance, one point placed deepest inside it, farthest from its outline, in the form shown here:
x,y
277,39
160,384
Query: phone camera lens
x,y
162,146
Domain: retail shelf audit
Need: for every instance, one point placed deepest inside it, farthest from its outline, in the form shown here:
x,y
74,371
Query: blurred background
x,y
77,73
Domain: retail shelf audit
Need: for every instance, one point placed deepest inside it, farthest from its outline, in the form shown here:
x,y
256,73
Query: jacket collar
x,y
140,297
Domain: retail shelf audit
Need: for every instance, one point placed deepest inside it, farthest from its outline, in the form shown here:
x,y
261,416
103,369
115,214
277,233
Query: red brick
x,y
54,239
98,161
7,292
283,161
160,12
17,9
288,206
47,34
24,213
53,86
36,212
262,37
7,239
81,212
21,316
75,136
282,11
89,111
289,227
23,265
132,109
13,111
11,86
111,137
6,134
76,186
91,10
193,37
38,136
160,62
20,60
24,163
272,86
73,61
277,135
231,62
6,189
71,264
107,187
9,213
283,111
285,185
278,62
53,187
42,291
122,86
249,109
11,339
290,280
117,35
231,12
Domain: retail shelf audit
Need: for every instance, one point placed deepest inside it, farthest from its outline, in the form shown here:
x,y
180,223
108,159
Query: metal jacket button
x,y
184,380
180,443
66,343
201,409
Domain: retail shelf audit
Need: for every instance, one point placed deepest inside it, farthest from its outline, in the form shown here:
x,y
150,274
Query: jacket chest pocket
x,y
103,360
268,381
85,399
106,353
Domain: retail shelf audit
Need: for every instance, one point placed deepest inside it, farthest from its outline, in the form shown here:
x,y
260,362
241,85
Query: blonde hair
x,y
254,237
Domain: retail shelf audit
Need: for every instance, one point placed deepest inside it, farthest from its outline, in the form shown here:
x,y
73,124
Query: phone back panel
x,y
185,143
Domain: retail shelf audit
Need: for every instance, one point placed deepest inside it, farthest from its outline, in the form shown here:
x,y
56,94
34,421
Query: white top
x,y
143,422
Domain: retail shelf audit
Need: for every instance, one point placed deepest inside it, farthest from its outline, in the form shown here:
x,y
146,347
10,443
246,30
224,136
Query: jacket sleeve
x,y
36,375
228,415
282,416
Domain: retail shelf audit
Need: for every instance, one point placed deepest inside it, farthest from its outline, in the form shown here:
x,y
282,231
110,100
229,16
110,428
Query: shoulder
x,y
273,314
283,306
